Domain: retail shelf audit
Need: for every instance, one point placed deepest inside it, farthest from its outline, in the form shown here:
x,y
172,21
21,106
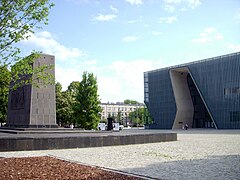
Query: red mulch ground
x,y
52,168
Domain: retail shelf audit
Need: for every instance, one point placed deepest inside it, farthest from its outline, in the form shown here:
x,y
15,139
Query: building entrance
x,y
201,117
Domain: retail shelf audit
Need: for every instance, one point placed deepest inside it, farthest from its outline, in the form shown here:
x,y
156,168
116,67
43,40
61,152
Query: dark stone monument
x,y
110,124
33,107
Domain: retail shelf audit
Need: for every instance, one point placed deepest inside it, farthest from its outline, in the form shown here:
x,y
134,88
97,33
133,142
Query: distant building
x,y
202,94
118,110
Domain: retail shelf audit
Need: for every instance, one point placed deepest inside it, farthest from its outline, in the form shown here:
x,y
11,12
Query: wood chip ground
x,y
51,168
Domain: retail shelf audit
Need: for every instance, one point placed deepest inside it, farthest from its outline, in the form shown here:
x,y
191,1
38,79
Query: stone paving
x,y
198,154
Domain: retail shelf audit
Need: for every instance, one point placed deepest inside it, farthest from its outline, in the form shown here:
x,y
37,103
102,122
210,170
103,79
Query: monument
x,y
33,107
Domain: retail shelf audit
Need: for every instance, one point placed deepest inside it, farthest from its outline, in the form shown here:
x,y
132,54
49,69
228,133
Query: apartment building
x,y
118,110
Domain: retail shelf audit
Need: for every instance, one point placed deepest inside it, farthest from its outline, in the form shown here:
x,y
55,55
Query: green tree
x,y
87,106
64,105
18,20
59,103
119,116
23,73
137,117
128,101
73,88
71,93
4,83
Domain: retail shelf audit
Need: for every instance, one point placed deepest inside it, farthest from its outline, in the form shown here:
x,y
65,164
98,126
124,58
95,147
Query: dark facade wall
x,y
213,79
161,103
218,82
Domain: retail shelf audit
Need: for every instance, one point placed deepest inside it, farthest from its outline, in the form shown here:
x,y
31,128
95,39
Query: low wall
x,y
46,143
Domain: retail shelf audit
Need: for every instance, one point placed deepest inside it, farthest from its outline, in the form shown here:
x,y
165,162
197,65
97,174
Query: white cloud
x,y
193,3
170,4
169,8
168,20
79,1
130,38
107,17
44,41
114,9
218,36
125,81
146,25
233,47
44,34
66,75
90,62
172,1
109,88
156,33
183,9
132,21
208,35
135,2
208,31
201,40
116,81
138,20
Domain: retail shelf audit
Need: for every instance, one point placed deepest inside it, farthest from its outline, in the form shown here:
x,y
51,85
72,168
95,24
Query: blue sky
x,y
118,40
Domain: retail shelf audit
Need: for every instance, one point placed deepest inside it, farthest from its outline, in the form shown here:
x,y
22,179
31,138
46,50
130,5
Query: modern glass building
x,y
202,94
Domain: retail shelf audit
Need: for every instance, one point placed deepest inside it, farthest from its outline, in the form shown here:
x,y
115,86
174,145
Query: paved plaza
x,y
198,154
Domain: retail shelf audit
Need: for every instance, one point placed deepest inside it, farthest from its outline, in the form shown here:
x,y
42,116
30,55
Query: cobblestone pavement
x,y
198,154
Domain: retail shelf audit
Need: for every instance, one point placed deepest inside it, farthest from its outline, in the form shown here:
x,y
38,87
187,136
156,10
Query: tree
x,y
119,116
87,106
137,117
73,88
25,72
59,103
128,101
18,20
4,82
64,105
71,93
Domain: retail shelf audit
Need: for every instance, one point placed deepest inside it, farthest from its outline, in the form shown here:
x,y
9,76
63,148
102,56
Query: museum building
x,y
202,94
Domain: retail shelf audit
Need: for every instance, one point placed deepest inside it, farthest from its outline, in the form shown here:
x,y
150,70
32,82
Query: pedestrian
x,y
183,127
186,126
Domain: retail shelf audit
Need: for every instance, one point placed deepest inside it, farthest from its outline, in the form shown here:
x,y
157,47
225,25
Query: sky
x,y
118,40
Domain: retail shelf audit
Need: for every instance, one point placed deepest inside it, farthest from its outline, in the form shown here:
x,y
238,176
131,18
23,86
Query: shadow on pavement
x,y
215,167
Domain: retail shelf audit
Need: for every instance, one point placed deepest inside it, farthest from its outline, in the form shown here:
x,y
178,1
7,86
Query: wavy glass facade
x,y
202,94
